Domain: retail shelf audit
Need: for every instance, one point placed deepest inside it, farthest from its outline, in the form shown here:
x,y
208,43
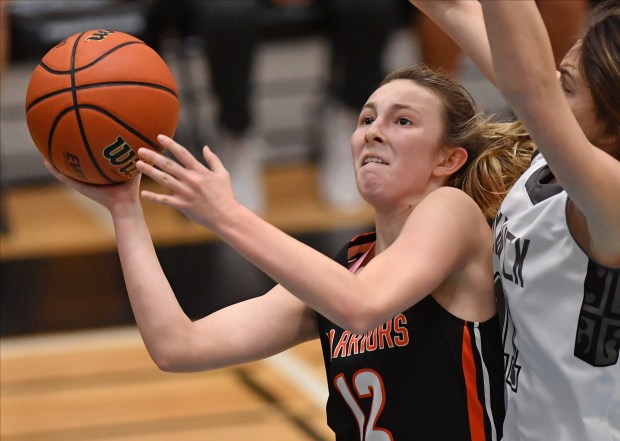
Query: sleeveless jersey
x,y
424,375
561,320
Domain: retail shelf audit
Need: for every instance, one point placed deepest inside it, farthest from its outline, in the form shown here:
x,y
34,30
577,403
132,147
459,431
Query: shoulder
x,y
461,245
447,192
449,213
450,202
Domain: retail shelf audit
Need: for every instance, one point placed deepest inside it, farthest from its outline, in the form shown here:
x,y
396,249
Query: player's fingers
x,y
162,162
63,178
158,198
213,161
179,152
162,177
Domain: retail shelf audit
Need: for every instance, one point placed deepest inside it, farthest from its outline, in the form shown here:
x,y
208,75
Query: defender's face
x,y
579,96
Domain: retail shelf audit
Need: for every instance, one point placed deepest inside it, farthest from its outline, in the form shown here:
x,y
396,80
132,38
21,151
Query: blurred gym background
x,y
73,366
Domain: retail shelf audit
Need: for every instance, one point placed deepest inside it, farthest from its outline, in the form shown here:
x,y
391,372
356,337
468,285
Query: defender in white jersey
x,y
561,324
557,234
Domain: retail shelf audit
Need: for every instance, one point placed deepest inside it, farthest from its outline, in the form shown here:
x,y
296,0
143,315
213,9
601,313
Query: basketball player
x,y
406,315
557,235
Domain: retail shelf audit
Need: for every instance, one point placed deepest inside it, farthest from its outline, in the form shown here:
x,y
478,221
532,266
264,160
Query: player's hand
x,y
106,195
203,194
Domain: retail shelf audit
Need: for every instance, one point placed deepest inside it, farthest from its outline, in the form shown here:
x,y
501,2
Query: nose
x,y
374,132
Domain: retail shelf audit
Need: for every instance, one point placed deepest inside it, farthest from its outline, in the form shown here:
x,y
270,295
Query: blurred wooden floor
x,y
101,384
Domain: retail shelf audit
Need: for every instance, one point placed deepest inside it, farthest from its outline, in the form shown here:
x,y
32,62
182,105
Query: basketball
x,y
95,99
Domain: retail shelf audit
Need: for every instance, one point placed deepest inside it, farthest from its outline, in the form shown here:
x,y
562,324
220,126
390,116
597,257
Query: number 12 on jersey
x,y
367,384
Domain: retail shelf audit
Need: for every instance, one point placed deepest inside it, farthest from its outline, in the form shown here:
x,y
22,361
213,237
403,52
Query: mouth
x,y
373,160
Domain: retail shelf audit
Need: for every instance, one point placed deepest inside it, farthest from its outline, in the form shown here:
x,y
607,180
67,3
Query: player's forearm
x,y
159,317
527,77
521,49
314,278
462,20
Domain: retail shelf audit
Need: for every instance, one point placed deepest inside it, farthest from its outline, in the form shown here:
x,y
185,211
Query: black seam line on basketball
x,y
51,137
76,109
129,83
72,72
106,84
51,133
124,124
105,54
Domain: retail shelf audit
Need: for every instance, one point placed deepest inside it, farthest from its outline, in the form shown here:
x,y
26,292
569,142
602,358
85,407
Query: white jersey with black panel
x,y
561,328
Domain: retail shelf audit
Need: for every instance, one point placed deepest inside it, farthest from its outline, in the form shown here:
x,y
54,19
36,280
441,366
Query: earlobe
x,y
453,160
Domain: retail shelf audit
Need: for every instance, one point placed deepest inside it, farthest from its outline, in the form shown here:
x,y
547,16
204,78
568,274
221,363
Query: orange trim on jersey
x,y
355,251
359,236
474,407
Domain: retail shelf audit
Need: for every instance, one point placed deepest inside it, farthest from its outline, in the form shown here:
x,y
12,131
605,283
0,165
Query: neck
x,y
390,218
388,227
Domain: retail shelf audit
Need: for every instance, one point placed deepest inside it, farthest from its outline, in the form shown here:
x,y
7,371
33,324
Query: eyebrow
x,y
393,107
369,106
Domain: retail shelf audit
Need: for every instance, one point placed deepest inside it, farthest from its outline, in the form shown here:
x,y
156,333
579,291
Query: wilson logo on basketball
x,y
120,154
99,35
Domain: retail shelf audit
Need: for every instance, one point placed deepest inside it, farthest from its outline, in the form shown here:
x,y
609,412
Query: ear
x,y
452,159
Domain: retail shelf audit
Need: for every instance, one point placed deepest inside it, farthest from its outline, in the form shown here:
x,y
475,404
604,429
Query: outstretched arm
x,y
462,20
526,76
243,332
417,262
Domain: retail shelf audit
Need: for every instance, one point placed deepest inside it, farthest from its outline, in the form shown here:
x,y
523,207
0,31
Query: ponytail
x,y
505,152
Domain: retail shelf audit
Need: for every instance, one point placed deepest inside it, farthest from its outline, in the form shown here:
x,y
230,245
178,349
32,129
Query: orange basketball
x,y
95,99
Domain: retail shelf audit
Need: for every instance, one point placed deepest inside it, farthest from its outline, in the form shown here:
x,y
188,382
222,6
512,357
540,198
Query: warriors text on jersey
x,y
561,320
424,375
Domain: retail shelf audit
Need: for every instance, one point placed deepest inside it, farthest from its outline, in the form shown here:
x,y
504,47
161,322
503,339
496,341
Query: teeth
x,y
376,160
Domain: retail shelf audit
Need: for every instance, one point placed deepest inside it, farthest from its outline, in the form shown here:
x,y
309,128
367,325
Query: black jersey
x,y
425,375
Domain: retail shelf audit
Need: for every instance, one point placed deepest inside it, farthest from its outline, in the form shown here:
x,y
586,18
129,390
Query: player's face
x,y
397,143
579,96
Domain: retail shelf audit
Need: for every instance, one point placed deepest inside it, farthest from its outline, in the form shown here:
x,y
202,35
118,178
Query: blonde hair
x,y
506,151
498,153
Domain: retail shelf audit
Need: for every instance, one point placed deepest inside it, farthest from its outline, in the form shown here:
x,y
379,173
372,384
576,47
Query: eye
x,y
563,84
366,120
404,121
